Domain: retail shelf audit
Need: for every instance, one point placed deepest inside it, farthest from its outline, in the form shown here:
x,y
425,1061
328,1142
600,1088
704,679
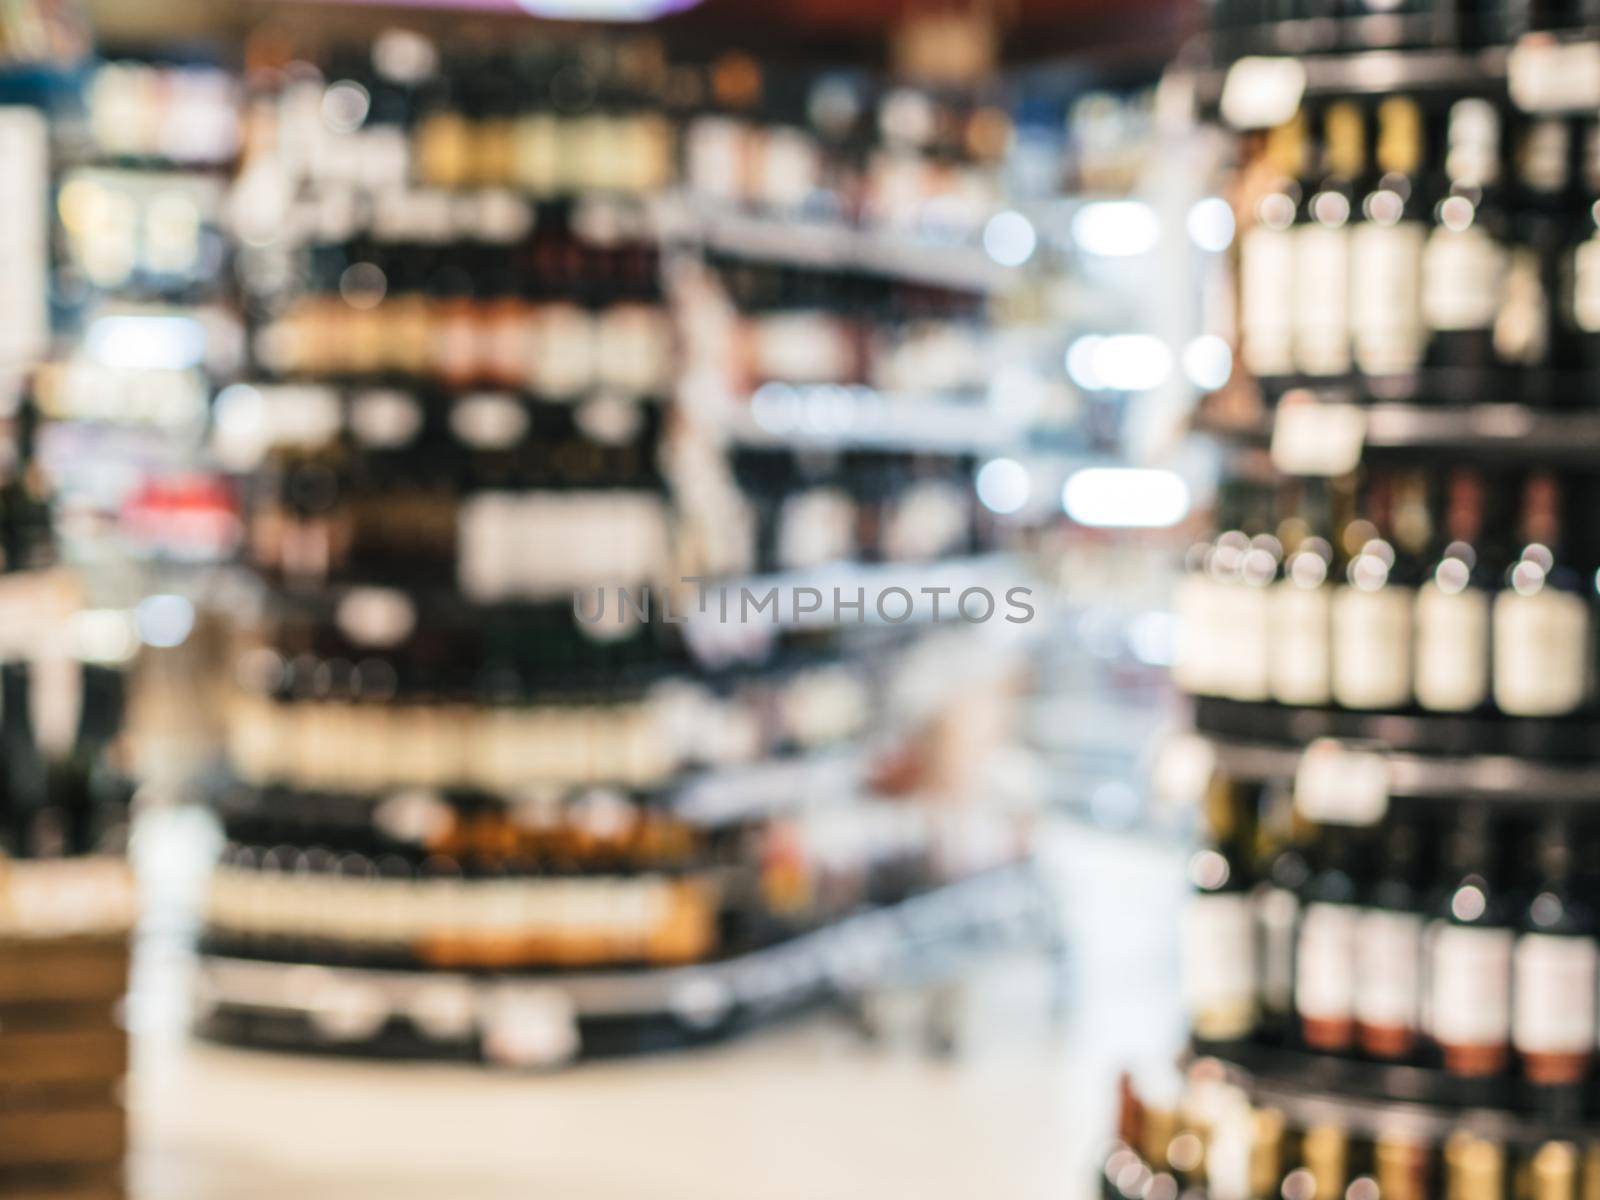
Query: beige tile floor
x,y
807,1111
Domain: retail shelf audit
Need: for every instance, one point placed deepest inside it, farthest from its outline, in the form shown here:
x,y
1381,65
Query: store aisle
x,y
812,1109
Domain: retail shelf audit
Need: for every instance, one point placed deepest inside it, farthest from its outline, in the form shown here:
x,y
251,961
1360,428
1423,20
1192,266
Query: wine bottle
x,y
1453,603
1219,932
1371,614
1386,249
1555,972
1582,307
1468,955
1388,956
1525,333
1322,248
1553,1172
1325,954
1276,900
1298,618
1464,261
1266,258
1542,616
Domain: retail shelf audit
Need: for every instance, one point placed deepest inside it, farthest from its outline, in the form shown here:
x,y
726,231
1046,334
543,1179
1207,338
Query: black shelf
x,y
1374,1098
1570,740
1501,431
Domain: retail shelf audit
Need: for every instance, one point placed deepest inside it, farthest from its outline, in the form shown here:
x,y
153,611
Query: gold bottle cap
x,y
1400,1164
1325,1150
1155,1135
1476,1170
1286,146
1399,135
1266,1151
1555,1171
1344,134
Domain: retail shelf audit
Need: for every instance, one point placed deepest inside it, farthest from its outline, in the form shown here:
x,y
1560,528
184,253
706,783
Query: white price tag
x,y
1261,92
530,1027
1182,771
1312,437
1544,75
1337,784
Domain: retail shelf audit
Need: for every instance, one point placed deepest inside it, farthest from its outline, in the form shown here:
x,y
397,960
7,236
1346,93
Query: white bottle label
x,y
1242,649
1196,603
1462,272
1322,299
1299,631
1469,985
1277,917
1267,300
1385,299
1388,969
1553,1001
1586,285
1372,647
1324,969
1541,652
1219,963
1452,632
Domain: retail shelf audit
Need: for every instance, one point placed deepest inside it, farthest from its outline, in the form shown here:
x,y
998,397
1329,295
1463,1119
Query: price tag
x,y
1314,437
530,1027
1261,92
1337,784
1544,75
1182,771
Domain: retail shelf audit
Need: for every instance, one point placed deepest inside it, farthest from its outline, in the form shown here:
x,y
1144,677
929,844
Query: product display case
x,y
1390,952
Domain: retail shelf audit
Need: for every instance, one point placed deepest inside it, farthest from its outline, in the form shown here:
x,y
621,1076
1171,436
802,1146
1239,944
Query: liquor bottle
x,y
1386,249
35,829
1266,1153
1388,957
1525,334
1542,616
1219,932
1298,619
1371,613
1266,258
1322,248
1553,1172
1276,900
1325,953
1326,1151
1453,603
1401,1166
1464,262
1477,1170
1582,307
1554,977
1468,955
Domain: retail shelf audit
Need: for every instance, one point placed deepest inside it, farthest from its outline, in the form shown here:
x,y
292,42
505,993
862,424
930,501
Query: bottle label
x,y
1553,1002
1242,648
1321,299
1522,326
1385,299
1461,278
1452,633
1299,630
1219,965
1541,644
1196,603
1277,915
1372,647
1388,969
1266,300
1469,985
1324,967
1586,285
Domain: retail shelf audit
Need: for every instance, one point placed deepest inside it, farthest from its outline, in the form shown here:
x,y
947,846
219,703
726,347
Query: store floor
x,y
811,1109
